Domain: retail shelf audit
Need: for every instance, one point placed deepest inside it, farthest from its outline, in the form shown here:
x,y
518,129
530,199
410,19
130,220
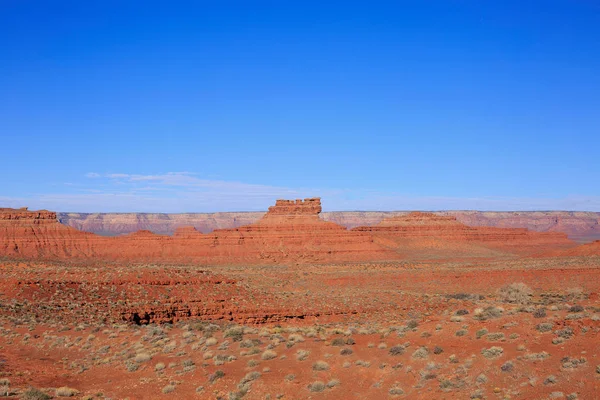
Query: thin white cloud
x,y
186,192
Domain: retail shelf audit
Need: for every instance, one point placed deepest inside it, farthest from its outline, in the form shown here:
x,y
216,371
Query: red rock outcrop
x,y
588,249
418,229
580,226
291,231
34,234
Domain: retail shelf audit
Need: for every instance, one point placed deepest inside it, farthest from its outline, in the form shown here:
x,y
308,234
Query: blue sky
x,y
223,106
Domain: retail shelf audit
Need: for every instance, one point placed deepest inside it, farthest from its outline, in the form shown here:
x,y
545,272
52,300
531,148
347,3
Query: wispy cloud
x,y
187,192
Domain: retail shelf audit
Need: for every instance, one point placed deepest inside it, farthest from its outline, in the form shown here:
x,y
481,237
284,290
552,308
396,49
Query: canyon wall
x,y
424,232
579,226
291,231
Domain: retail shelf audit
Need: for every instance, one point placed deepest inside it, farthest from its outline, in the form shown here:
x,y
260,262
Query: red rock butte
x,y
291,231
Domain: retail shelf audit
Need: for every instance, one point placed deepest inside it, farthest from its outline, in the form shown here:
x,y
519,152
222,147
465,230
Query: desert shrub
x,y
236,333
6,391
268,355
480,333
210,341
250,376
492,352
35,394
290,377
537,356
565,333
320,366
494,336
66,392
168,389
421,352
215,376
568,362
481,378
142,357
395,391
462,312
461,332
539,313
412,324
338,342
159,367
346,351
302,355
465,296
544,327
333,383
132,366
550,380
438,350
489,313
396,350
576,308
507,367
515,293
317,386
188,363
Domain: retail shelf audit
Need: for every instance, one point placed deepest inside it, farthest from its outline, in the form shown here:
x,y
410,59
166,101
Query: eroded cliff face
x,y
34,234
290,232
423,230
579,226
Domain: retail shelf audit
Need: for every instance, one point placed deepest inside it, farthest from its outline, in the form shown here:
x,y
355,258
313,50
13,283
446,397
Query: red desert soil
x,y
419,306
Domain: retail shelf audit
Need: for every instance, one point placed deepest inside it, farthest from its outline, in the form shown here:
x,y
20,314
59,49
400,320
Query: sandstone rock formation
x,y
32,234
290,232
418,230
580,226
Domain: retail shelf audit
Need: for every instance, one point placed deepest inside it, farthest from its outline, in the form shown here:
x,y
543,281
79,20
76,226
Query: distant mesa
x,y
290,231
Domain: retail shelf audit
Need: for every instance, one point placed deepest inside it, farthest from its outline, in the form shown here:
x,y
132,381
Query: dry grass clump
x,y
250,376
507,367
395,391
35,394
481,333
168,389
142,357
539,313
302,355
333,383
544,327
268,355
320,366
515,293
215,376
537,356
421,353
492,352
66,392
317,386
397,350
495,336
488,313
